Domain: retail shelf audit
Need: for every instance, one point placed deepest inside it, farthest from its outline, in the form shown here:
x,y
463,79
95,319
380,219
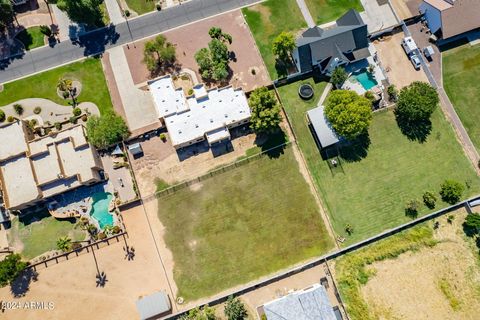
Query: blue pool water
x,y
99,212
366,80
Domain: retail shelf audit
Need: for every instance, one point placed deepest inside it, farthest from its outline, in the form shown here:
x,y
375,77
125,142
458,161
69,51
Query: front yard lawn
x,y
38,233
324,11
267,20
371,193
461,70
31,38
44,85
242,224
141,6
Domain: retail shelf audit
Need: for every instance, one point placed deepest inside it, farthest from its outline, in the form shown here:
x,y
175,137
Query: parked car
x,y
415,61
428,52
409,45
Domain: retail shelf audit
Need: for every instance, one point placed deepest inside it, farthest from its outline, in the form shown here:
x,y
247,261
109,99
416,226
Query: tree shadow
x,y
469,230
25,38
414,130
20,286
272,143
166,68
95,42
281,67
355,150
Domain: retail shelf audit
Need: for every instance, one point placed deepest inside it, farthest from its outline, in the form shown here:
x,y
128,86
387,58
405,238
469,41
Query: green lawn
x,y
461,70
372,192
324,11
241,225
43,85
141,6
31,38
39,233
267,20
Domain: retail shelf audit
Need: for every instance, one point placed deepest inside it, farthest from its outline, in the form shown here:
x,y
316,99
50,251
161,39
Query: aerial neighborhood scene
x,y
239,159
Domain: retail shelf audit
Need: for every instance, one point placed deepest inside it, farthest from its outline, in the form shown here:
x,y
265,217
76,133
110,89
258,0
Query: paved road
x,y
101,40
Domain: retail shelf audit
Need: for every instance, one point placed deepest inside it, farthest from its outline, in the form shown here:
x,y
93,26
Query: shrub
x,y
451,191
411,208
349,229
339,76
234,309
472,224
2,115
10,119
190,92
116,229
429,199
76,246
392,92
450,218
369,95
158,6
84,118
163,136
18,109
37,110
101,235
127,13
77,111
73,120
57,125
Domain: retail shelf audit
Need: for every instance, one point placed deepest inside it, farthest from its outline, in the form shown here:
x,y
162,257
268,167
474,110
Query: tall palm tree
x,y
66,85
64,244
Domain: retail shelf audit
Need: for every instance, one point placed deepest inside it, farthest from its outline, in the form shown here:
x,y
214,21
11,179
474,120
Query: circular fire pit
x,y
305,91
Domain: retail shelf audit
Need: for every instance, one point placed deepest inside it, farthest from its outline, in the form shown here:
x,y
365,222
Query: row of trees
x,y
234,310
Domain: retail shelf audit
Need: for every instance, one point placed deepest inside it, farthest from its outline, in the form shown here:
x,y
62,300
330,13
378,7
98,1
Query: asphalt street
x,y
115,35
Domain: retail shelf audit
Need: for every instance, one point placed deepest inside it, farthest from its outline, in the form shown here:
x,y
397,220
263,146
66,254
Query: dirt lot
x,y
161,160
442,282
399,69
246,53
70,285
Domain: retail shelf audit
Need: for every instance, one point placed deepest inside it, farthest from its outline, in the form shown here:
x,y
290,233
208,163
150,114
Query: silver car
x,y
415,61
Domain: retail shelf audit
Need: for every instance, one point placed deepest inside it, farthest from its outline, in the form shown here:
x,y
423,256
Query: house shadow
x,y
36,216
192,151
20,286
414,130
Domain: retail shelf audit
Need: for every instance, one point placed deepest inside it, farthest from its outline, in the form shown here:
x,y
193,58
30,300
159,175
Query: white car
x,y
409,45
415,61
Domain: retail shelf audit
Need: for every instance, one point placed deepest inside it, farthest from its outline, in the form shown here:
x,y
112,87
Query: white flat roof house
x,y
32,170
204,115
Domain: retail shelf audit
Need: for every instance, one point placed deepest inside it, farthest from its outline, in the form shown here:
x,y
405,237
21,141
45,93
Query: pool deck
x,y
353,84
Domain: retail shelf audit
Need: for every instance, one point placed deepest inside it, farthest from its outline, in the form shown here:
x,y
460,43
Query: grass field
x,y
43,85
241,225
461,67
324,11
39,233
141,6
31,38
267,20
371,192
377,282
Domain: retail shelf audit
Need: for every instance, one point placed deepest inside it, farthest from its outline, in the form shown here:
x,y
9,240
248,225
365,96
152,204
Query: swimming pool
x,y
366,80
101,201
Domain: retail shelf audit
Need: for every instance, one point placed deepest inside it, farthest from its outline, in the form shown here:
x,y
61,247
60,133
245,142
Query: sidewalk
x,y
138,104
306,13
116,15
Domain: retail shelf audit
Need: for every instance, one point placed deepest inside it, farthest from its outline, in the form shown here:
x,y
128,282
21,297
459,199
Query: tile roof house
x,y
325,49
32,170
449,18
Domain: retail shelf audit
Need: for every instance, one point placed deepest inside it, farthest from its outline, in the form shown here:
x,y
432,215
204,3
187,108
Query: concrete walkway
x,y
306,13
67,28
116,15
138,104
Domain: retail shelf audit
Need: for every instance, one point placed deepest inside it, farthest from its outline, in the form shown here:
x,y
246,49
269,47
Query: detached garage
x,y
323,131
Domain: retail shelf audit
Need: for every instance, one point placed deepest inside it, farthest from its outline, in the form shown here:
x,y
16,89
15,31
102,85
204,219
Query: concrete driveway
x,y
377,16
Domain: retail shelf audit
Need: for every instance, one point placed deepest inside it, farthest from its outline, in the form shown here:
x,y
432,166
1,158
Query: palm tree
x,y
64,244
66,85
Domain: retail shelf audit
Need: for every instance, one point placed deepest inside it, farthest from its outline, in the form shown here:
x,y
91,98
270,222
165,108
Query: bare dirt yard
x,y
246,55
441,282
71,285
400,70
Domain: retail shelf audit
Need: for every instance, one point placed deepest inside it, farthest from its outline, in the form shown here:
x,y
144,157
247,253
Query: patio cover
x,y
153,305
118,151
323,130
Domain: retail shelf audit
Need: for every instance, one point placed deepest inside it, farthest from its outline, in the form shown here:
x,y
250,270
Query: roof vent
x,y
211,120
226,115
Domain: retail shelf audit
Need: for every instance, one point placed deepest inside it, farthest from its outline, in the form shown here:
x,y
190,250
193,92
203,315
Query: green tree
x,y
64,244
429,199
66,86
283,46
18,108
83,11
106,130
411,208
417,102
213,61
472,224
218,50
338,77
265,110
349,113
204,61
217,33
451,191
10,268
2,115
234,309
158,52
6,13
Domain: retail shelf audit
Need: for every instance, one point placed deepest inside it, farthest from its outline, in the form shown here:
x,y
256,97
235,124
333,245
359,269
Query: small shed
x,y
153,305
323,131
135,149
